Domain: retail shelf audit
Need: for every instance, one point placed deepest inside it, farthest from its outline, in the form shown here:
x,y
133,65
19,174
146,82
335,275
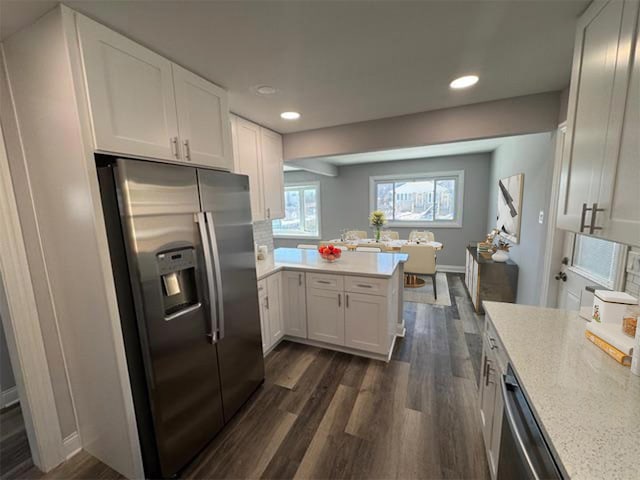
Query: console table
x,y
489,280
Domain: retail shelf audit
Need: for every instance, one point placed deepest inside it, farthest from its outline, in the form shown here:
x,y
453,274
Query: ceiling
x,y
339,62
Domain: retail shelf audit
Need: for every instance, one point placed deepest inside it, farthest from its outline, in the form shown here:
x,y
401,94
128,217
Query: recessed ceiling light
x,y
265,90
464,82
290,115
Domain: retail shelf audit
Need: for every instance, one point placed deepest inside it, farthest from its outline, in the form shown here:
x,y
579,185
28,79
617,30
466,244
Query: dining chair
x,y
368,249
421,236
421,261
306,246
391,235
356,234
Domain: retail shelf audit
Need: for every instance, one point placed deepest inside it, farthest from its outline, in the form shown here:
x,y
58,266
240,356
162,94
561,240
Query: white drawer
x,y
325,281
372,286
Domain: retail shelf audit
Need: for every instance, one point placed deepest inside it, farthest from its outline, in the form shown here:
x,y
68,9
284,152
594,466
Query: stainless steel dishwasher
x,y
524,452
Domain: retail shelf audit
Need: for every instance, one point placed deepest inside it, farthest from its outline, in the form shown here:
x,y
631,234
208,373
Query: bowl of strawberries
x,y
330,253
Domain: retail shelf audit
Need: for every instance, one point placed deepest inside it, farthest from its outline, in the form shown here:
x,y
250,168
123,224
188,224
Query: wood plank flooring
x,y
15,456
324,414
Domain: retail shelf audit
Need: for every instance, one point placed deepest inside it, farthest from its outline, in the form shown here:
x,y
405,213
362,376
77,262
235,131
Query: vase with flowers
x,y
377,219
501,251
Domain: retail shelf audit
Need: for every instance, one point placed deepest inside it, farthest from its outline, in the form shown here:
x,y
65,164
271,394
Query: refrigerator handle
x,y
218,273
202,227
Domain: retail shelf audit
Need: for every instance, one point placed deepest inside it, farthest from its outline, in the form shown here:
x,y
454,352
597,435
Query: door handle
x,y
174,148
561,276
347,299
339,300
217,271
187,150
266,302
594,212
299,279
208,264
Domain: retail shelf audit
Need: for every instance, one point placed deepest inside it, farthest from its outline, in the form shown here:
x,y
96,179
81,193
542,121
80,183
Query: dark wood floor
x,y
324,414
15,456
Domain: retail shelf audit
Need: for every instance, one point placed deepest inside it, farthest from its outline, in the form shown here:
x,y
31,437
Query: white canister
x,y
610,307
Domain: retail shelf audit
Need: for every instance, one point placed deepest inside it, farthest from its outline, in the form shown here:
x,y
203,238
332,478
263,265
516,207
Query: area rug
x,y
424,294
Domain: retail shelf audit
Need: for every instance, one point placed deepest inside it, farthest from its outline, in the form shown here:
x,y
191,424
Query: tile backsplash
x,y
632,283
263,234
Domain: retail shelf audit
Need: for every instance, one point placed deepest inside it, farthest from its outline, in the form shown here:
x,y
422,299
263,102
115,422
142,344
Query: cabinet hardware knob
x,y
594,211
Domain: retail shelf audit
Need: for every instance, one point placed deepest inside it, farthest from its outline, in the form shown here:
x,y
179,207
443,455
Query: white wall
x,y
533,156
345,200
7,382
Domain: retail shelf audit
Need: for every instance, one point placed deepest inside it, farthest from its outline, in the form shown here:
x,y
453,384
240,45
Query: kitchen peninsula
x,y
352,305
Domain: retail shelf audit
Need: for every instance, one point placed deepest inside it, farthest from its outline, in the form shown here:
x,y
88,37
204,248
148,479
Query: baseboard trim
x,y
9,397
451,268
71,445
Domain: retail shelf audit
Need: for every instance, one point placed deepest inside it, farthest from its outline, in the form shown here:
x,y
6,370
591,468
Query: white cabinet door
x,y
325,316
623,220
131,96
365,323
596,106
264,316
488,392
474,283
246,154
272,173
496,428
274,305
203,120
294,305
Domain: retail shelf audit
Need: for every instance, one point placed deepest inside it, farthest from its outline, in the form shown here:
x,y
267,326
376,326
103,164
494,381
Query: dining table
x,y
384,245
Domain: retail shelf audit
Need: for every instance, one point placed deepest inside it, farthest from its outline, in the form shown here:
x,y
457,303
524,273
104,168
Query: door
x,y
325,316
623,222
274,304
597,96
294,306
247,161
166,261
365,322
130,92
272,173
225,200
203,120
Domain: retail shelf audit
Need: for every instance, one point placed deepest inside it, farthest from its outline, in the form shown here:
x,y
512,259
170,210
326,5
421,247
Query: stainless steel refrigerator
x,y
182,252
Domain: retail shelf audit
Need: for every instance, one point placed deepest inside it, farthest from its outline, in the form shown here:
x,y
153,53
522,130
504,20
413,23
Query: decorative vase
x,y
378,234
500,256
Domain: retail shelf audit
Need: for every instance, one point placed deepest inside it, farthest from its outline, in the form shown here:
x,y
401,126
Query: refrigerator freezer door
x,y
226,201
158,204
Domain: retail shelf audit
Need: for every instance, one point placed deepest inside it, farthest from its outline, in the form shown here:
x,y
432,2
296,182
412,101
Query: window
x,y
301,212
598,260
419,200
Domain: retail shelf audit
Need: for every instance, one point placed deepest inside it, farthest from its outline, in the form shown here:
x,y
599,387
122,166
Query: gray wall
x,y
511,116
6,373
533,156
345,200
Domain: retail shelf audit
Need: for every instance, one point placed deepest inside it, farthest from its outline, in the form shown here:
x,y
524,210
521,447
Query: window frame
x,y
618,264
457,175
298,185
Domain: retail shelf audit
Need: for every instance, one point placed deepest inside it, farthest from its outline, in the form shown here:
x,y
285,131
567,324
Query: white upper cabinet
x,y
203,120
272,173
598,95
143,105
257,153
130,91
246,148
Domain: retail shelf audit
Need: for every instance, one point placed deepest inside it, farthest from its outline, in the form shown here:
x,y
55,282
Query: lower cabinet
x,y
325,315
294,304
365,322
271,322
490,396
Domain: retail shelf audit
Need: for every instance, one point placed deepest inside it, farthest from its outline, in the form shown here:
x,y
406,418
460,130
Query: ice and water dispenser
x,y
178,277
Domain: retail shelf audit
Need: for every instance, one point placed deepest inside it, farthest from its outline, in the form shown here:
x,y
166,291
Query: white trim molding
x,y
300,235
8,397
24,336
457,175
72,445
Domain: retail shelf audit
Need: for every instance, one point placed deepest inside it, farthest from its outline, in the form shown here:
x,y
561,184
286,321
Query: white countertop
x,y
350,263
588,404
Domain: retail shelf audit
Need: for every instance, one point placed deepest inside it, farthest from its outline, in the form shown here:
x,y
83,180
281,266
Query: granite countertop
x,y
587,404
350,263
